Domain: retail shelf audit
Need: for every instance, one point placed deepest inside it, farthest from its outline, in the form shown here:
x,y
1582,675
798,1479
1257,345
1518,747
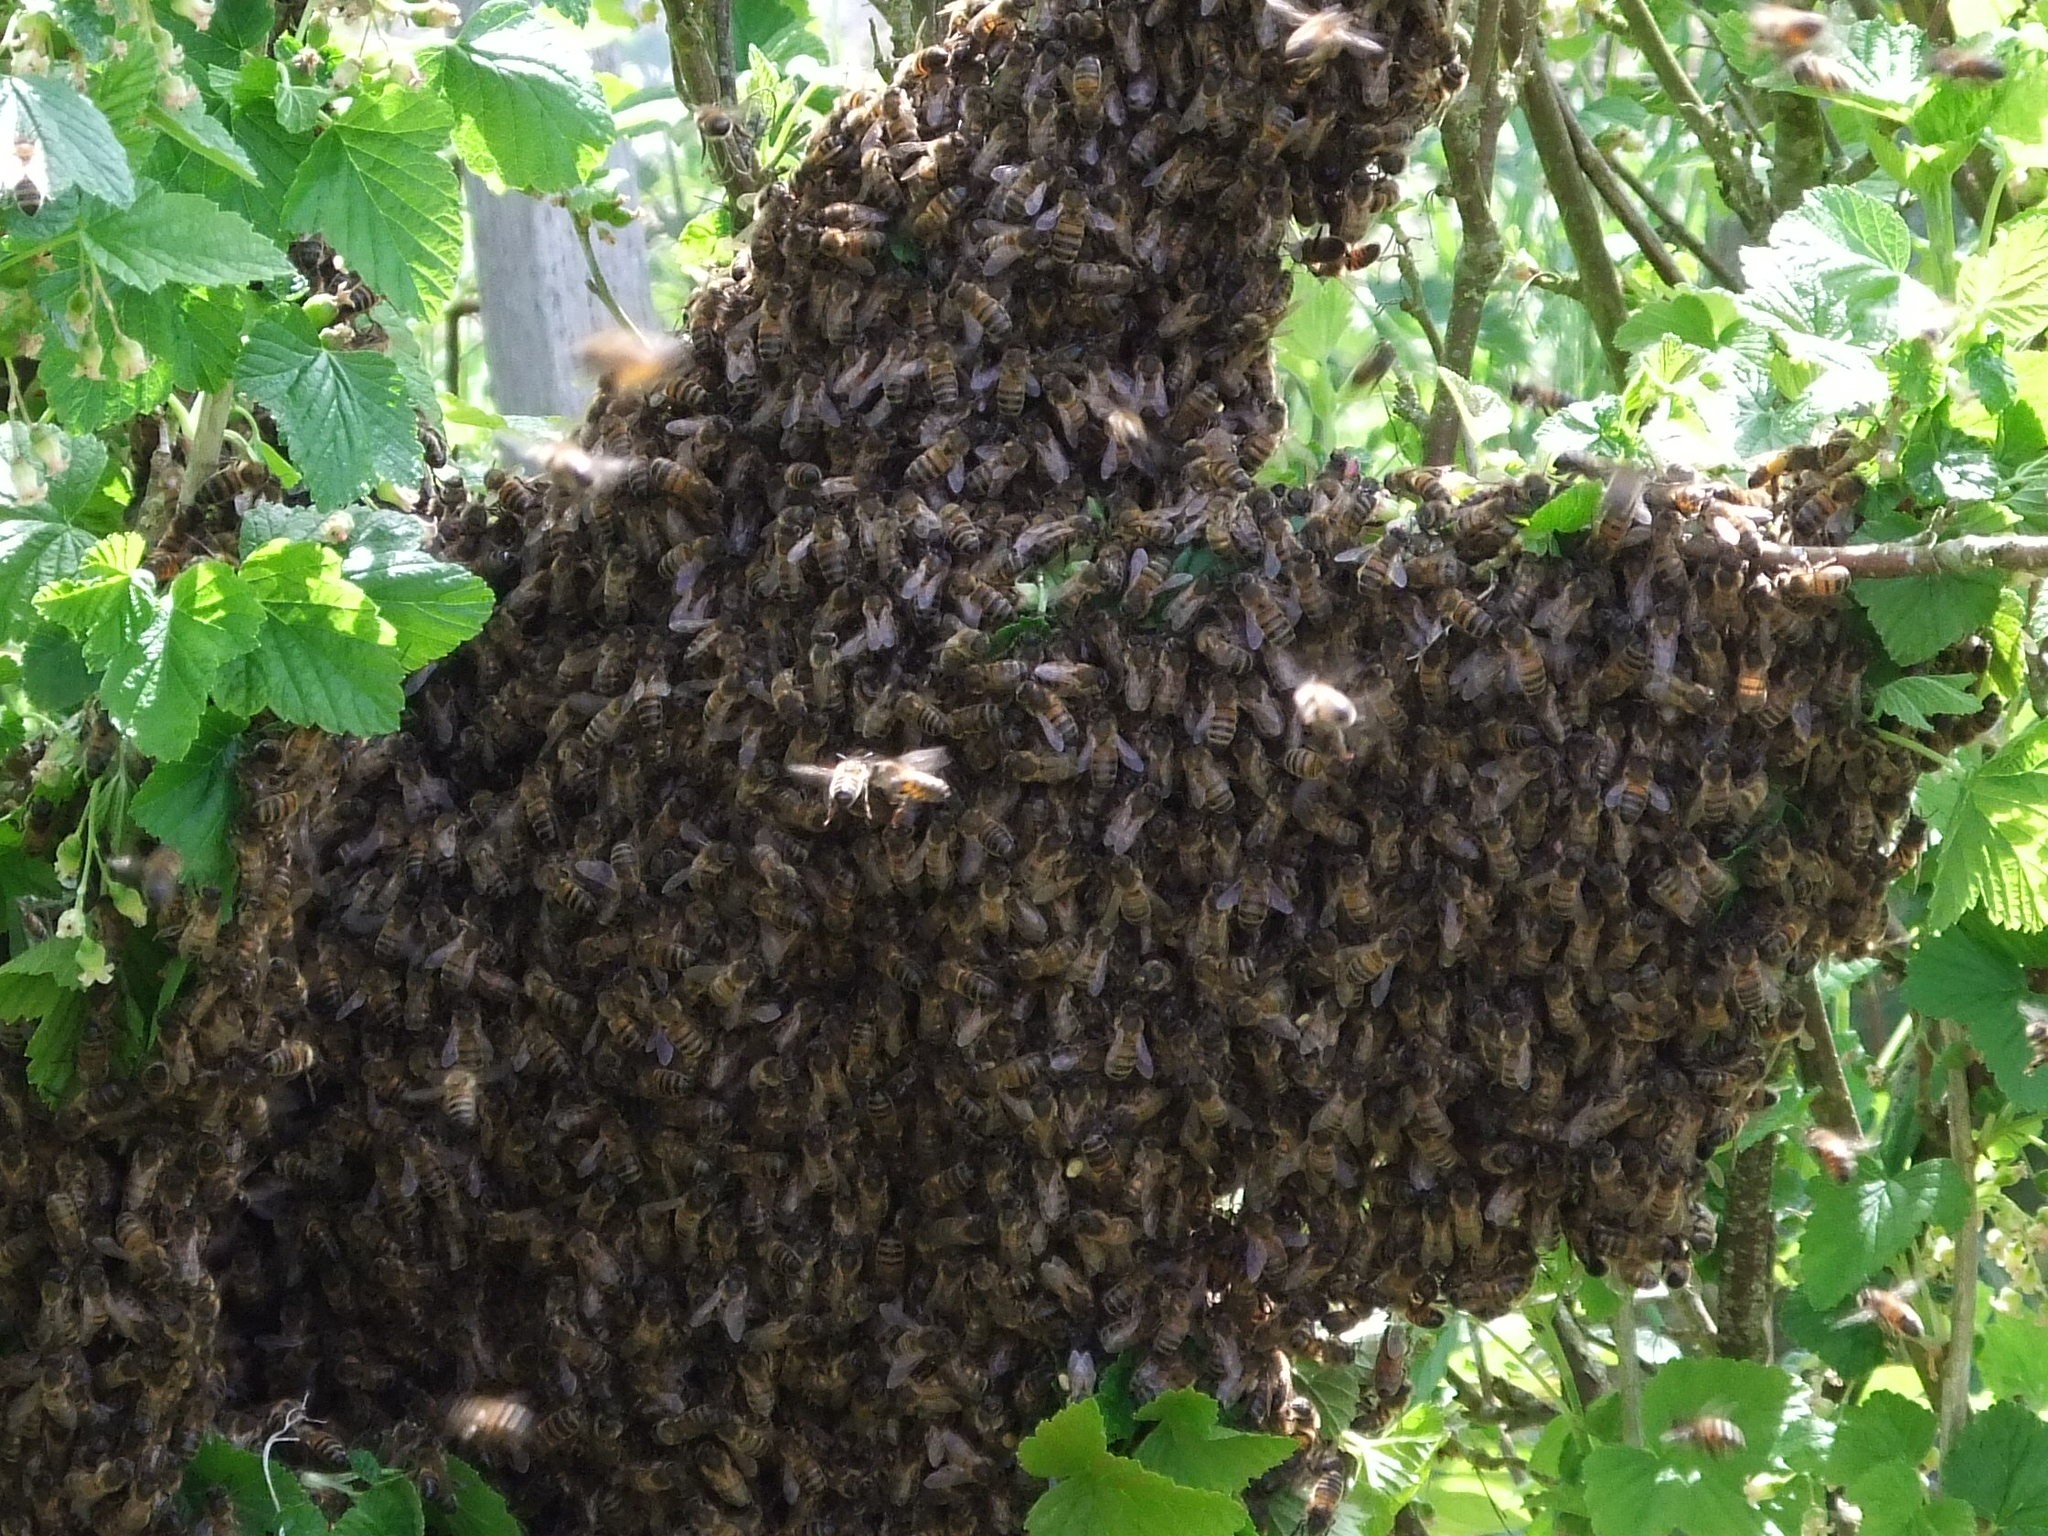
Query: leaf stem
x,y
599,284
1628,1369
1955,1361
202,448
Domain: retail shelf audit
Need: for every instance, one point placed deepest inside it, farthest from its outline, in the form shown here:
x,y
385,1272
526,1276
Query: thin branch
x,y
1821,1067
1971,552
1413,302
1608,185
1471,136
1628,1369
202,453
1749,1254
1955,1361
1599,287
1675,228
1739,186
600,285
700,59
1588,1379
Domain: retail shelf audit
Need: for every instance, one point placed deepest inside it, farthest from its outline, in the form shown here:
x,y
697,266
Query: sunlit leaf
x,y
1858,1228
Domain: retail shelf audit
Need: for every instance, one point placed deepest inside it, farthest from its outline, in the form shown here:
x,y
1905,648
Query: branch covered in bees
x,y
2016,552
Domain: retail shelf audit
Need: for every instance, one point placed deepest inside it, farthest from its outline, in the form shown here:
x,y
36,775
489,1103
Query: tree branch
x,y
1739,186
1608,185
1749,1254
1832,1107
1955,1361
1674,227
701,63
1599,288
1471,135
1799,148
1971,552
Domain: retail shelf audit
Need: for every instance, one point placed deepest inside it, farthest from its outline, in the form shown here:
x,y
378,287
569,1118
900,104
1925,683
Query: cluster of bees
x,y
931,879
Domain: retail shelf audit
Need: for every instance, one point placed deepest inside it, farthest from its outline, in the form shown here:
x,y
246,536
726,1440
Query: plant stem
x,y
1739,186
1799,148
1955,1362
1599,288
1819,1064
599,285
1601,174
1628,1369
1749,1254
700,59
202,451
1970,552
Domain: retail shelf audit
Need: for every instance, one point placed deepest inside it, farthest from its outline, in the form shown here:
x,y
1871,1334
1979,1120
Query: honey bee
x,y
1890,1310
1707,1433
911,779
1786,29
1621,505
1817,72
1967,64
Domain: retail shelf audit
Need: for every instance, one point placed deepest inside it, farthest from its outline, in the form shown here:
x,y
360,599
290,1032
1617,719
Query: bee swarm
x,y
779,999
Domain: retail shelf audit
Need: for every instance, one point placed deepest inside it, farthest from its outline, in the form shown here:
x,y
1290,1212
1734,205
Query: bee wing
x,y
1288,13
809,773
924,759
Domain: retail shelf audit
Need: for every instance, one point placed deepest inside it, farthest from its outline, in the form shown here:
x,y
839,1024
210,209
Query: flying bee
x,y
1318,36
493,1423
1620,505
1707,1433
1890,1310
1967,64
626,360
1836,1153
1818,73
1786,29
912,779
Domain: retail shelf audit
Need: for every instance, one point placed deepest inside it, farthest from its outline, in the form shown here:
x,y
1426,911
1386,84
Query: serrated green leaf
x,y
2006,287
1631,1492
387,1508
1113,1396
479,1508
343,414
1571,510
86,404
1188,1445
204,136
1999,1464
276,152
108,602
73,486
1915,699
197,332
79,146
1695,318
36,547
1115,1494
53,1048
434,606
155,688
1857,1229
377,529
190,804
53,671
1851,218
1768,1406
1883,1428
176,237
1894,1501
1918,617
30,992
1067,1444
1830,271
267,1497
2012,1356
1994,834
1957,975
526,107
325,657
1332,1387
375,185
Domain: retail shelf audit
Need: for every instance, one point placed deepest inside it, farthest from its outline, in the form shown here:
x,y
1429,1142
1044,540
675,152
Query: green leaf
x,y
197,332
2007,286
1999,1465
433,605
376,186
378,529
1632,1492
1067,1444
36,548
1569,511
53,1048
155,688
479,1508
1918,617
2012,1356
525,104
1864,225
1333,1388
1189,1446
1883,1428
176,237
78,142
325,656
108,602
267,1497
1117,1495
343,414
1894,1501
276,152
1994,838
1958,975
53,671
1113,1397
190,804
1858,1228
387,1508
203,135
33,981
1695,318
1394,1465
1770,1408
1914,699
1831,270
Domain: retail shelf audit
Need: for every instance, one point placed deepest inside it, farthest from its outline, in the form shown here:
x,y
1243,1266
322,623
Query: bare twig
x,y
1971,552
1739,186
1599,287
1628,1369
1749,1252
1821,1067
1675,228
1412,300
599,285
1955,1361
1471,135
1588,1379
202,453
1609,186
451,334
